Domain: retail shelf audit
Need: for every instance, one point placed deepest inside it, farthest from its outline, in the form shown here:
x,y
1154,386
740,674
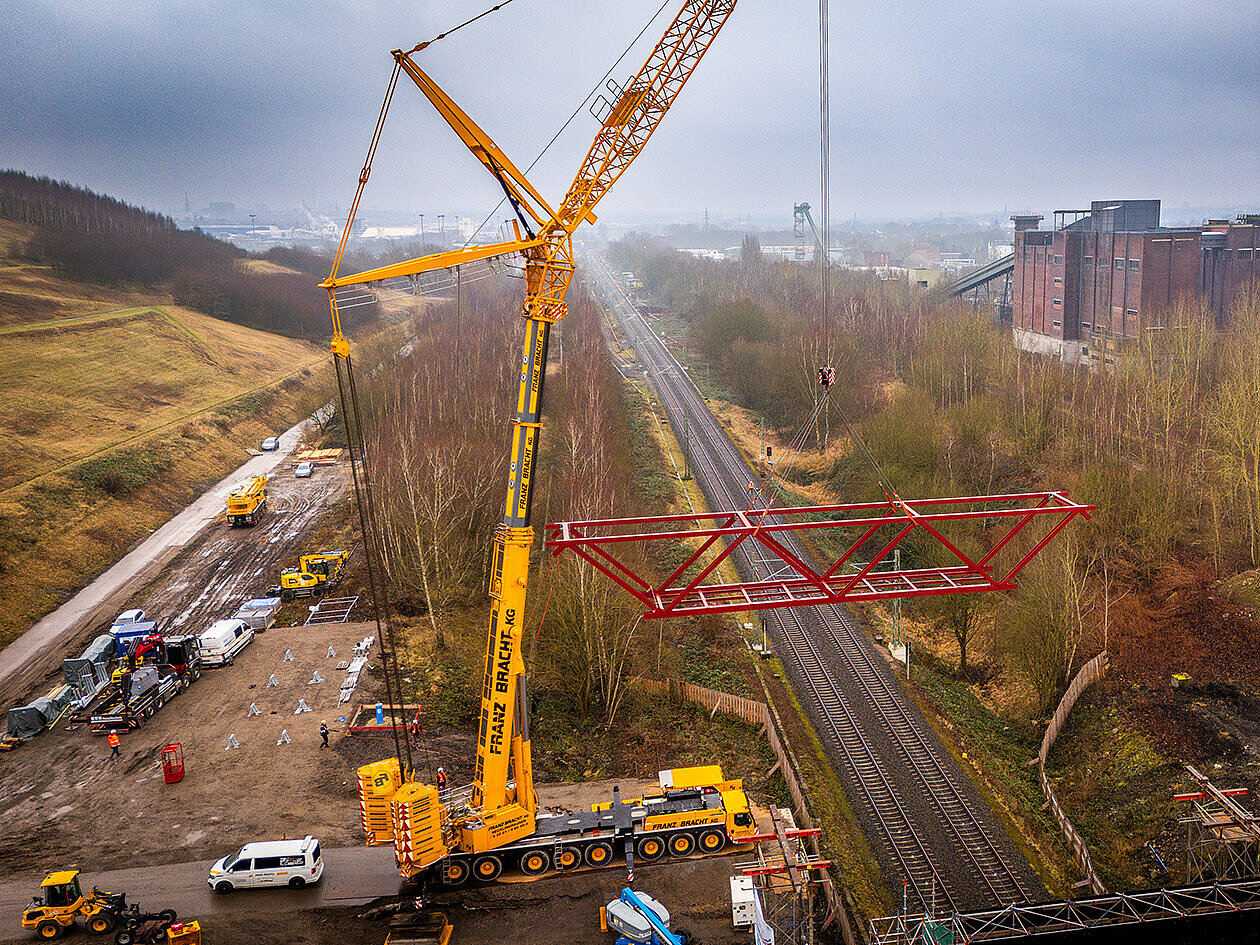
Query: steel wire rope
x,y
569,120
824,134
352,419
373,546
349,415
455,29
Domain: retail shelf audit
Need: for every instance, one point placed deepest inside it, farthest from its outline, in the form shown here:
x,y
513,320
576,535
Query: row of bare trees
x,y
438,442
1165,439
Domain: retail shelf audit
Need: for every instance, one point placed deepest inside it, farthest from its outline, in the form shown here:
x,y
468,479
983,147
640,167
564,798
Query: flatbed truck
x,y
133,700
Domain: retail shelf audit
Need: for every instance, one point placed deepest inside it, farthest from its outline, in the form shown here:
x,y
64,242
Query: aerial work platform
x,y
714,537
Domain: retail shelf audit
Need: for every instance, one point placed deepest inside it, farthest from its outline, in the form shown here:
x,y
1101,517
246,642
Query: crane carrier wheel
x,y
568,858
649,848
487,868
455,872
712,840
599,853
535,862
682,844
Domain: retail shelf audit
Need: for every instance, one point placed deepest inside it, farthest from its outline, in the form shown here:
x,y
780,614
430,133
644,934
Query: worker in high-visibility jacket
x,y
113,743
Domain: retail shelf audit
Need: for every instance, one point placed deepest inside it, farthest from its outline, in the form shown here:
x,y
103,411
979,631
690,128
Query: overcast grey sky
x,y
936,106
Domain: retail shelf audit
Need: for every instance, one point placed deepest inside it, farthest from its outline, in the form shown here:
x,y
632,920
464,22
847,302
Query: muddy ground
x,y
62,795
225,566
59,795
64,802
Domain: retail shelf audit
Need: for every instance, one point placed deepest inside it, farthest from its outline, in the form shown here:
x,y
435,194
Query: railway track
x,y
924,756
924,814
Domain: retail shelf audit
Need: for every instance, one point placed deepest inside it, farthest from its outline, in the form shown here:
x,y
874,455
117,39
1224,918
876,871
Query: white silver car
x,y
304,469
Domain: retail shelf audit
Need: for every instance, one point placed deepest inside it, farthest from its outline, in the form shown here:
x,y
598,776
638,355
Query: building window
x,y
1087,324
1131,311
1057,324
1244,254
1058,260
1134,265
1058,280
1089,260
1057,301
1084,351
1119,263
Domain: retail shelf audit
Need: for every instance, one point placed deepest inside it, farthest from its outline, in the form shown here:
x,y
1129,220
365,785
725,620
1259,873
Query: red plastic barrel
x,y
173,763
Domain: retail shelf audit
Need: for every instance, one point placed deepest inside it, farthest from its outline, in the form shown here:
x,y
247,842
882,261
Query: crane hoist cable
x,y
824,170
352,419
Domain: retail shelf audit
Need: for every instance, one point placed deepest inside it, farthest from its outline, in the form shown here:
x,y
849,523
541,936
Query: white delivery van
x,y
293,863
223,640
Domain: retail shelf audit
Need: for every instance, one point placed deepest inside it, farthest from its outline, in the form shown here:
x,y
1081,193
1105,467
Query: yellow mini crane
x,y
497,824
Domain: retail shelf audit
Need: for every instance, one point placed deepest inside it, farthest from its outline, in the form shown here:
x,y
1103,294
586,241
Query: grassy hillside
x,y
119,408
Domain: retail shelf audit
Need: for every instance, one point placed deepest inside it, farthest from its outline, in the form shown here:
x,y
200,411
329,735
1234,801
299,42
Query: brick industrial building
x,y
1107,274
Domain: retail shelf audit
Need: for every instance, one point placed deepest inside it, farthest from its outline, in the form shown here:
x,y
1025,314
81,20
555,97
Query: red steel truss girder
x,y
595,541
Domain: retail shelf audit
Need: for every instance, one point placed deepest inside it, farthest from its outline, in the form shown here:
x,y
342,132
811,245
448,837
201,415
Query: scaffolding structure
x,y
1020,921
785,878
1222,836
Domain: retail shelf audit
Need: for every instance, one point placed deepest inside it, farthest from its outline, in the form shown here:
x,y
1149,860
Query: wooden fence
x,y
760,714
1089,674
752,712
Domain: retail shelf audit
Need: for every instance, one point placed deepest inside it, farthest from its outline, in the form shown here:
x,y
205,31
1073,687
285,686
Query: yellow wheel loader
x,y
52,913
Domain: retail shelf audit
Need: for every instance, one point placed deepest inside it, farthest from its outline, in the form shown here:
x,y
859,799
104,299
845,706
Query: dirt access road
x,y
225,566
36,655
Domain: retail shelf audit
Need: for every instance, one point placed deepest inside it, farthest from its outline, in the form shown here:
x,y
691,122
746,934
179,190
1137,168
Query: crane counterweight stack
x,y
697,809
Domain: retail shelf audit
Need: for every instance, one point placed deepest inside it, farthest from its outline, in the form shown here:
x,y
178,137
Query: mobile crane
x,y
451,834
246,502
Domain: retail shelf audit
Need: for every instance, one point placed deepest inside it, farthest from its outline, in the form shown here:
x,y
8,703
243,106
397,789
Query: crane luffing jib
x,y
503,804
623,135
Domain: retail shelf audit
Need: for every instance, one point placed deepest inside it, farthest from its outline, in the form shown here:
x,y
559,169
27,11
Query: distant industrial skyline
x,y
1014,106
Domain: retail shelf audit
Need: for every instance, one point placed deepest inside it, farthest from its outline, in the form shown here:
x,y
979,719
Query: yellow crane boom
x,y
503,805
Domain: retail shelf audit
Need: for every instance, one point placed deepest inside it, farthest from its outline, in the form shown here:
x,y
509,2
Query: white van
x,y
223,640
293,863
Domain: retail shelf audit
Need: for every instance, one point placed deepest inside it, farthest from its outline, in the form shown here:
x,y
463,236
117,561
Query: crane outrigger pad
x,y
794,582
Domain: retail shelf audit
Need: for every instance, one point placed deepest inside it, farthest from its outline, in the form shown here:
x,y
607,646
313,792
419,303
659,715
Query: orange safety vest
x,y
113,739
